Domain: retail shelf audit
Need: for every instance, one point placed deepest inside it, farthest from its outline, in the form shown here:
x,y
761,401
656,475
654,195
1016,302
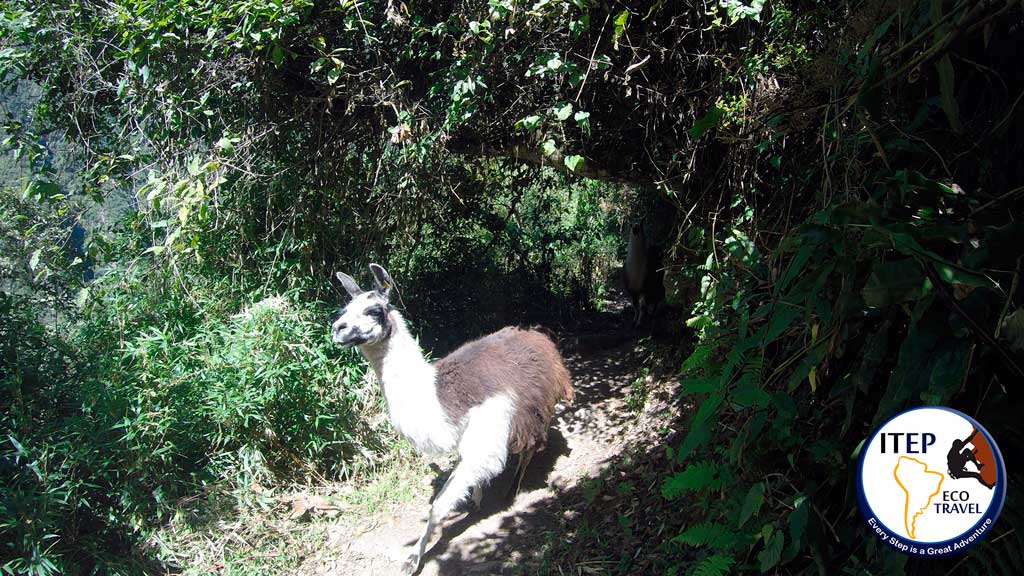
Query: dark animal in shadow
x,y
642,275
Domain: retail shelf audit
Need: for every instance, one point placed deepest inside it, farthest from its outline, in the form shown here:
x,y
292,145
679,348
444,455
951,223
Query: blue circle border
x,y
990,514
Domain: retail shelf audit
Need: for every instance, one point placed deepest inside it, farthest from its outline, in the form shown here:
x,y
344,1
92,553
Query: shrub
x,y
160,393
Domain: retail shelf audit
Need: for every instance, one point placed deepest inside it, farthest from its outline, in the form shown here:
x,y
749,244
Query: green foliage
x,y
159,381
158,394
38,485
771,396
881,297
752,503
736,10
769,556
706,122
185,336
845,215
638,391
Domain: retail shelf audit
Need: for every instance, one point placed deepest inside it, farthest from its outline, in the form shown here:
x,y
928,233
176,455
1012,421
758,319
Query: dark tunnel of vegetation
x,y
837,189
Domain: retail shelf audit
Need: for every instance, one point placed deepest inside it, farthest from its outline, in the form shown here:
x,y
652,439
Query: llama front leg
x,y
412,564
484,449
462,479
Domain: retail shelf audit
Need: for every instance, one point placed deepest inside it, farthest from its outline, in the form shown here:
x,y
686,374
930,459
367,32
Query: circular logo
x,y
931,481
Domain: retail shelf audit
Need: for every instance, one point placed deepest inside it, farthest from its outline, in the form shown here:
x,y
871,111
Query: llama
x,y
489,398
642,275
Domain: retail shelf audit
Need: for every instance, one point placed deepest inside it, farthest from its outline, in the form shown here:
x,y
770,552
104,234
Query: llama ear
x,y
382,279
350,285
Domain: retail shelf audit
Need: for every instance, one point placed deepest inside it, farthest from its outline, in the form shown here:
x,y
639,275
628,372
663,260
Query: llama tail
x,y
561,378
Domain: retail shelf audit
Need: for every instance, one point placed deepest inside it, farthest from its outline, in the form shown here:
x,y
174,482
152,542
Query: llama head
x,y
637,229
366,318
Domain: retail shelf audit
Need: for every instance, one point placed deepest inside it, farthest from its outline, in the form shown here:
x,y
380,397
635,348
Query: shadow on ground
x,y
592,526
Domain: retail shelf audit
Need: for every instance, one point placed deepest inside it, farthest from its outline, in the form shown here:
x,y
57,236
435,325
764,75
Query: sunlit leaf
x,y
573,162
82,298
619,26
528,123
706,122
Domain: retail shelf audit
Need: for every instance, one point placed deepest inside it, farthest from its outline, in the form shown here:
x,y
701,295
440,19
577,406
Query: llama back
x,y
536,395
524,364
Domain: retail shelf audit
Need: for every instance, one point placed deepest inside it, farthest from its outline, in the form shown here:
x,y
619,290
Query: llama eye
x,y
375,311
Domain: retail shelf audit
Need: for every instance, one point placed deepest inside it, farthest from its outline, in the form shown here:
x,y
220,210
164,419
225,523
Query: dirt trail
x,y
504,534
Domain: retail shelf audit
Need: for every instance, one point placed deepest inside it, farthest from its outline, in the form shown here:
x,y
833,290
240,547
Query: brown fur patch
x,y
521,362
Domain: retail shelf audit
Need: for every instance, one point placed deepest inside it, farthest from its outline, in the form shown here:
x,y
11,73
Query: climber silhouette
x,y
957,458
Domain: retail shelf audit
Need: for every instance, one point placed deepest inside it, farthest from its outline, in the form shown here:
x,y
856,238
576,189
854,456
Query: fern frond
x,y
748,391
750,375
716,536
696,477
714,565
699,357
700,322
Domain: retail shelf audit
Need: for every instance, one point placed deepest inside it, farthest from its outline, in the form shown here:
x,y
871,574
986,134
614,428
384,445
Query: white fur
x,y
483,450
410,389
484,443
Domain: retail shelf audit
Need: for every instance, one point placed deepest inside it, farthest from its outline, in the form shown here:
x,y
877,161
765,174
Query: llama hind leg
x,y
517,483
484,449
636,309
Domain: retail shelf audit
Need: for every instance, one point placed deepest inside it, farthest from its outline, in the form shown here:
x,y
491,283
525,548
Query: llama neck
x,y
410,389
636,261
399,355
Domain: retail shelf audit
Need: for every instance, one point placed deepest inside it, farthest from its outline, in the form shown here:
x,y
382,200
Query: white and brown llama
x,y
489,398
